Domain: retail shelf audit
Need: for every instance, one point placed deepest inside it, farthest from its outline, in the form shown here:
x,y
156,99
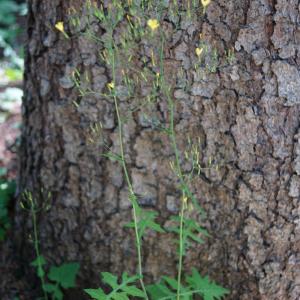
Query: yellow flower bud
x,y
111,85
205,3
60,26
153,24
185,202
198,51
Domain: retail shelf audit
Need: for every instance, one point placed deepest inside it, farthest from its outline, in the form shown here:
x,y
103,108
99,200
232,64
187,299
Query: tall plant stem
x,y
183,185
131,192
172,135
36,245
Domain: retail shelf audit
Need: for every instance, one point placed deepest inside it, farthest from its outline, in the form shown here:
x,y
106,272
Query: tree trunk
x,y
244,110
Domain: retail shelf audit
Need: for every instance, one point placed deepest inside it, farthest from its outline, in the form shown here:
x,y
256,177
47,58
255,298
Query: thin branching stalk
x,y
178,170
36,244
131,192
181,250
172,135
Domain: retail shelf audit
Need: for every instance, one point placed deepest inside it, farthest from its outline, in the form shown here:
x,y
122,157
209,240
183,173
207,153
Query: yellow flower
x,y
198,51
205,2
185,202
60,26
157,78
153,24
111,85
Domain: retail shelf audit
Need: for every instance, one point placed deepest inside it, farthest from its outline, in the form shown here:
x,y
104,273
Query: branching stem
x,y
130,187
178,170
36,244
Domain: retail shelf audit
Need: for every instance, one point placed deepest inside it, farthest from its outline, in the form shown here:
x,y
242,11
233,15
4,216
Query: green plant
x,y
119,291
57,277
9,29
195,284
14,74
187,224
60,277
7,190
187,229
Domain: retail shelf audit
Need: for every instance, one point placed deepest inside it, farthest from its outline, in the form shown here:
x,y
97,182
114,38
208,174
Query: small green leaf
x,y
110,279
171,282
208,289
64,275
147,221
97,294
118,291
40,272
133,291
129,225
39,261
49,288
120,296
58,295
113,157
54,290
155,291
155,227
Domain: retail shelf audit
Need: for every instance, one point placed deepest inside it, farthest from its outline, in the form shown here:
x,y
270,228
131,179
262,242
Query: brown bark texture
x,y
245,112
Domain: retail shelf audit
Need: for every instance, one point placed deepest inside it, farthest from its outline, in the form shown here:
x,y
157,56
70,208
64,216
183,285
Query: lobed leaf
x,y
97,294
64,275
208,289
119,291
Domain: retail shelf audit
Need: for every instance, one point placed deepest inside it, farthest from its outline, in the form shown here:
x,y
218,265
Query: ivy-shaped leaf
x,y
64,275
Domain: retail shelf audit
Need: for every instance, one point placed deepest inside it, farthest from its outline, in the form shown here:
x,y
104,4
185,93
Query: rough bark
x,y
246,114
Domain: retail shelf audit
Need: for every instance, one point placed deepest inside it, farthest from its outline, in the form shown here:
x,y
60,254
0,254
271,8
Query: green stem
x,y
36,246
131,192
181,246
178,170
183,184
